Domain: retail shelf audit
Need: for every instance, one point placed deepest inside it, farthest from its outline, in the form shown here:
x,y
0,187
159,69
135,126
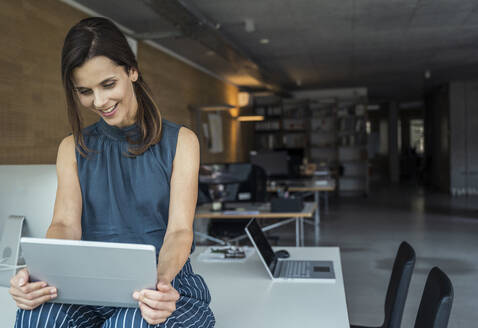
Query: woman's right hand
x,y
30,295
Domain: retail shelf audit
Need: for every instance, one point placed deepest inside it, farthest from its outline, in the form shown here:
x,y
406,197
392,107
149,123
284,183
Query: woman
x,y
131,177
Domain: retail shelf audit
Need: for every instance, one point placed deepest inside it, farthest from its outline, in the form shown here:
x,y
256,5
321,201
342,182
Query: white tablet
x,y
91,273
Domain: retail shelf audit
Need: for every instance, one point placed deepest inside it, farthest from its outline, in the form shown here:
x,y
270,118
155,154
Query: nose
x,y
99,100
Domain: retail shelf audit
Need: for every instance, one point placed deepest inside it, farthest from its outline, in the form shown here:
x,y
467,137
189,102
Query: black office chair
x,y
255,184
398,287
437,298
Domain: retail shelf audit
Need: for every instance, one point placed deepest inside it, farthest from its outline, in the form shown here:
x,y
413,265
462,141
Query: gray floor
x,y
443,231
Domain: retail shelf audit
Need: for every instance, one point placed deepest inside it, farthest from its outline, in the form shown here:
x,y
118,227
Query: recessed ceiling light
x,y
250,118
264,41
213,108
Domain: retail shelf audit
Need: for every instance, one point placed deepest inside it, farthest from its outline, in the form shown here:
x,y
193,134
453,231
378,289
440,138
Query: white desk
x,y
244,296
259,211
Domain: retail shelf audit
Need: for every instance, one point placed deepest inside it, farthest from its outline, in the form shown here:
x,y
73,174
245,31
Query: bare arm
x,y
182,205
157,306
66,222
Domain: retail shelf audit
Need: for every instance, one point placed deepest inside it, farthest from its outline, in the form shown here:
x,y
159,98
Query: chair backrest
x,y
398,286
437,298
254,184
258,180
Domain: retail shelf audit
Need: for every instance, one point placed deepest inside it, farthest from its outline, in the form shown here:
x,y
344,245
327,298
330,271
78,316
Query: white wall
x,y
27,190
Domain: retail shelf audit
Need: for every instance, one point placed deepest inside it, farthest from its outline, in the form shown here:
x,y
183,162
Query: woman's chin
x,y
118,122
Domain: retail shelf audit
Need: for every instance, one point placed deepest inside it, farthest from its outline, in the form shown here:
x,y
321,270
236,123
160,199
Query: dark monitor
x,y
295,156
274,163
217,174
232,182
256,235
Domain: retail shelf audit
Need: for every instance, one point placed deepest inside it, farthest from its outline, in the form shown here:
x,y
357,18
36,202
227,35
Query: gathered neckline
x,y
114,132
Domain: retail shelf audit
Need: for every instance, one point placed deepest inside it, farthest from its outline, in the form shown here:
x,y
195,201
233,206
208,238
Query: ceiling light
x,y
243,99
251,118
263,93
264,41
213,108
427,74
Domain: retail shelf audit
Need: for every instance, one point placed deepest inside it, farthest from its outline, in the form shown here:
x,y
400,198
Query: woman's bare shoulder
x,y
188,137
66,150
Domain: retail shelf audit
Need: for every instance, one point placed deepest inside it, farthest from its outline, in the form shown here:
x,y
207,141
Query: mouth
x,y
109,111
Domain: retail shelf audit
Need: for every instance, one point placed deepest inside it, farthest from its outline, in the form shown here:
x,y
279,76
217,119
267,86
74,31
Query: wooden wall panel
x,y
33,118
176,86
33,114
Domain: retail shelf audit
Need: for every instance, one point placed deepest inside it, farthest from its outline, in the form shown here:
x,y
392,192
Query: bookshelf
x,y
352,149
323,135
331,133
284,126
295,124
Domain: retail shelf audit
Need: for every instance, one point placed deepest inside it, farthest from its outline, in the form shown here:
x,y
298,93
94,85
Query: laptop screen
x,y
260,241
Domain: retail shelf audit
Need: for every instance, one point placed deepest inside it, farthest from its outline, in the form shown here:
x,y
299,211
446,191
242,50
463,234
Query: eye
x,y
84,91
109,84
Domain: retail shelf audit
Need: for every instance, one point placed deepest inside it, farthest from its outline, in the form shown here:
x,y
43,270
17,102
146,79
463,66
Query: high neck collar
x,y
130,131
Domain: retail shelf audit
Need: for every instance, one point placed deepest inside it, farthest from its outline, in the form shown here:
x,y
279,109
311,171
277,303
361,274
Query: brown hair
x,y
98,36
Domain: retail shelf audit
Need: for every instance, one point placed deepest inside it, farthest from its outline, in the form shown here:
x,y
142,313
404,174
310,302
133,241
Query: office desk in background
x,y
313,185
243,295
259,211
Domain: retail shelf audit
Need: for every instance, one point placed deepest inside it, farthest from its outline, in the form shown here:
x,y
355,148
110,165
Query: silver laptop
x,y
91,273
284,269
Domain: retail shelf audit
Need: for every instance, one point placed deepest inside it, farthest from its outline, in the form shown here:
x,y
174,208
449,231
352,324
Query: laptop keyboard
x,y
295,269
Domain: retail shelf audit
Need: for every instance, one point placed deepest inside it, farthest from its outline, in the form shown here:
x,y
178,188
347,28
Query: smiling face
x,y
107,89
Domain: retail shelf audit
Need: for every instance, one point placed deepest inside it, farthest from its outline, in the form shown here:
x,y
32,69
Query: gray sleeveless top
x,y
125,199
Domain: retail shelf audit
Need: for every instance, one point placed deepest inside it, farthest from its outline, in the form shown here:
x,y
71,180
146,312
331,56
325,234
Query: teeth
x,y
109,110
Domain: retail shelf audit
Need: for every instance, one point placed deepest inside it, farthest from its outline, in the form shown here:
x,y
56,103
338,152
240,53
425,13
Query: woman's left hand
x,y
157,305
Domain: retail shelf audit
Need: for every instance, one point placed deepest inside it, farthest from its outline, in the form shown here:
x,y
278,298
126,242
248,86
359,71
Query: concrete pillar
x,y
393,156
405,123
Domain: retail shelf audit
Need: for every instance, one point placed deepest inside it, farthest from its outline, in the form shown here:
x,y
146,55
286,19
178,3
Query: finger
x,y
28,288
155,303
34,298
167,288
33,295
28,304
169,306
33,286
163,286
158,296
16,292
41,292
21,278
153,317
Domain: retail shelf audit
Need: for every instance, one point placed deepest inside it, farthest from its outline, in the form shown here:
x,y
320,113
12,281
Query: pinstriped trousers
x,y
192,310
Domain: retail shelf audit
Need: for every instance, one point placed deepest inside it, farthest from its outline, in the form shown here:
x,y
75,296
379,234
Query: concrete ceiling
x,y
386,46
